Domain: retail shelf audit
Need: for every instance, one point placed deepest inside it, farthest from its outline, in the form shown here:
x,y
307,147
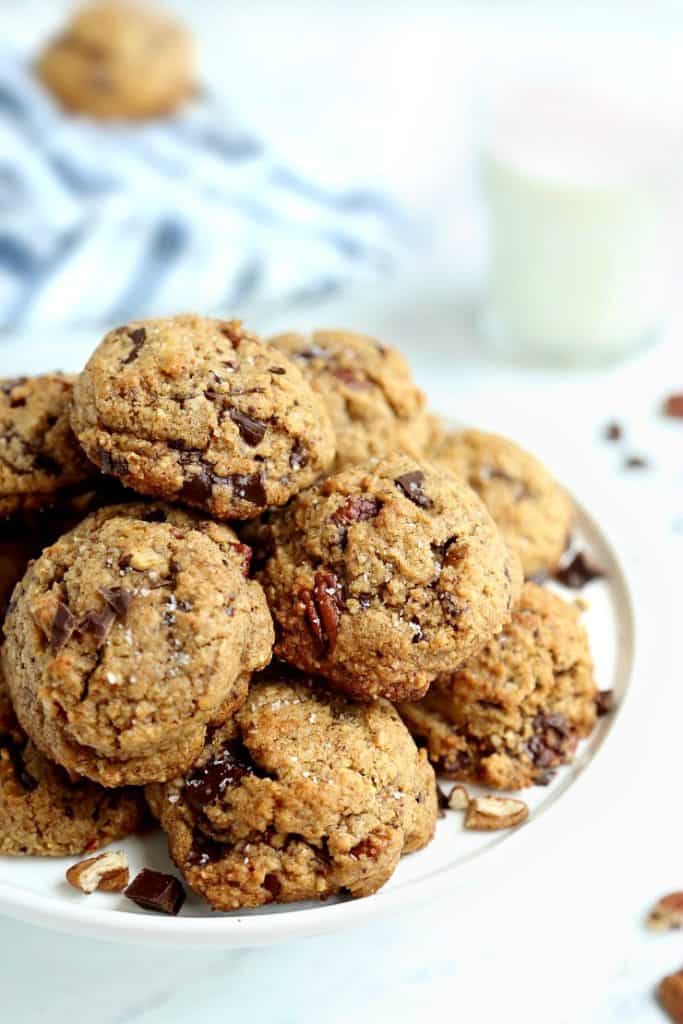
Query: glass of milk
x,y
579,189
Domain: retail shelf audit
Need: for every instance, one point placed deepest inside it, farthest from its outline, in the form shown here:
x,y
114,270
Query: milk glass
x,y
579,188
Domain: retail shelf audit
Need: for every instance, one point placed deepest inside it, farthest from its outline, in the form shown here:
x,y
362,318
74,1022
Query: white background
x,y
383,92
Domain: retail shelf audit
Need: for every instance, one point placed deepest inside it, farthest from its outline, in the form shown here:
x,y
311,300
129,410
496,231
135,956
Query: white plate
x,y
34,889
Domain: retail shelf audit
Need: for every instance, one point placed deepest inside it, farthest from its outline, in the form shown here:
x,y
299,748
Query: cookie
x,y
128,636
384,576
119,61
43,812
532,511
368,391
202,412
304,795
40,459
518,708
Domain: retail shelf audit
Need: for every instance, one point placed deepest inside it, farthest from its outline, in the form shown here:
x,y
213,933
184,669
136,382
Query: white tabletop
x,y
563,940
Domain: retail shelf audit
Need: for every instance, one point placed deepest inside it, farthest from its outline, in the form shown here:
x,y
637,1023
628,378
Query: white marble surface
x,y
562,941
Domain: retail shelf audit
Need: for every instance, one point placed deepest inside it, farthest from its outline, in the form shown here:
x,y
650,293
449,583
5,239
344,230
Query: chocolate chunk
x,y
138,337
352,379
604,702
46,464
98,624
553,740
578,572
358,509
418,632
251,430
197,489
153,890
412,485
225,768
451,608
272,884
278,370
298,457
204,850
312,352
673,406
442,801
636,462
114,465
247,487
364,600
613,431
63,625
118,599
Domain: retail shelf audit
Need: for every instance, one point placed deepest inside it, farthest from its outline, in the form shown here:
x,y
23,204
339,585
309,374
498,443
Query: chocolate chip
x,y
118,599
98,624
114,465
613,431
578,572
272,884
298,457
204,850
153,890
358,509
225,768
364,600
138,337
197,489
418,632
244,552
673,406
63,625
451,608
251,430
604,702
247,487
352,379
412,485
553,740
636,462
278,370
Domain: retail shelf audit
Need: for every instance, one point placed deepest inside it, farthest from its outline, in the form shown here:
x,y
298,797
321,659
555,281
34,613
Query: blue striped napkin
x,y
103,222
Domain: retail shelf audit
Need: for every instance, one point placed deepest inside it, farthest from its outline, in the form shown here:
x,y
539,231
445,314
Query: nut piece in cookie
x,y
303,795
491,813
119,60
43,812
517,709
670,994
201,412
40,459
368,390
384,576
533,512
106,873
116,671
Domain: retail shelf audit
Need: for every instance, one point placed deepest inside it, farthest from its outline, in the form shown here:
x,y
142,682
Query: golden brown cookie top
x,y
120,60
304,794
128,636
532,510
200,411
368,390
384,576
39,455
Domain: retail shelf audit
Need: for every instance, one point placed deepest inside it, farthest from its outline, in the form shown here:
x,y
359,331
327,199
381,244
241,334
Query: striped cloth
x,y
106,222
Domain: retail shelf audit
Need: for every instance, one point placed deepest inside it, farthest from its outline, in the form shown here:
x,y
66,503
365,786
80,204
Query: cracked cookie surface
x,y
119,60
384,576
202,412
40,459
43,812
516,710
304,795
368,390
131,634
532,510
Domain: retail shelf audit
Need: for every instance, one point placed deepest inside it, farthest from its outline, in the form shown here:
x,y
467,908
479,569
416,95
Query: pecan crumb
x,y
106,873
490,813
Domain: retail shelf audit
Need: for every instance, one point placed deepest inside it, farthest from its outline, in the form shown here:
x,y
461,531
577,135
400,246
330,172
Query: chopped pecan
x,y
106,873
490,813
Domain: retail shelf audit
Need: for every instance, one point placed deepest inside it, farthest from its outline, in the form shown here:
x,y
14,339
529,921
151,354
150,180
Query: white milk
x,y
578,201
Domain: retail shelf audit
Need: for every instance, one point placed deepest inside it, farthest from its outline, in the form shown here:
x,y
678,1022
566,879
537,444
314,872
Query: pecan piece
x,y
670,994
322,607
490,813
106,873
667,913
458,799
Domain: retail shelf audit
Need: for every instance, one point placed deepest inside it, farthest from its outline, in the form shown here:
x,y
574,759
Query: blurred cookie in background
x,y
120,61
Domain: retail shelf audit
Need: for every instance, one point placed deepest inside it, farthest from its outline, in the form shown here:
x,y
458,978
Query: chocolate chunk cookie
x,y
200,411
384,576
368,391
43,812
517,709
128,636
533,512
40,459
119,60
303,795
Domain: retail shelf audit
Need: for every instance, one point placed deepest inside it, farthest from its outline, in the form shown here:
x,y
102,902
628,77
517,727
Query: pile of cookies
x,y
262,592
